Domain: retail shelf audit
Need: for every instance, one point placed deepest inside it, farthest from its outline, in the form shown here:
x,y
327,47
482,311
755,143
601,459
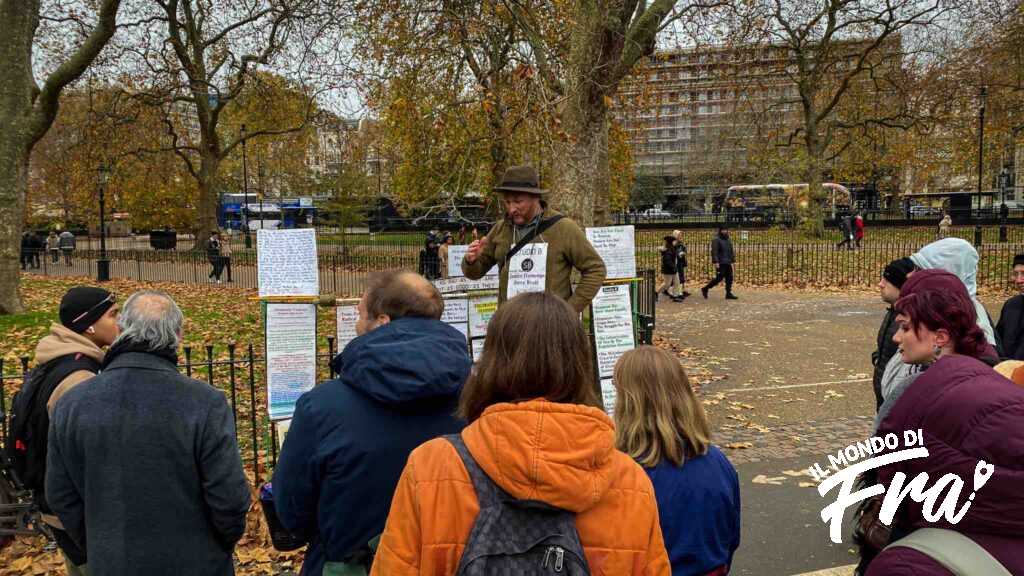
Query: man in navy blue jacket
x,y
349,439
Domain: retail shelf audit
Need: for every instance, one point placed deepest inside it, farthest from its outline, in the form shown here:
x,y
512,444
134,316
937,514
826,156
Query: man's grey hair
x,y
151,317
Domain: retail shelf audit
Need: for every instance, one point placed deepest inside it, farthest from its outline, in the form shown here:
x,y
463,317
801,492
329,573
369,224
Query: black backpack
x,y
513,536
30,421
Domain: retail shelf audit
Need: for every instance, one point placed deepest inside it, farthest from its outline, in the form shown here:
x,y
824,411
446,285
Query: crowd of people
x,y
34,247
417,461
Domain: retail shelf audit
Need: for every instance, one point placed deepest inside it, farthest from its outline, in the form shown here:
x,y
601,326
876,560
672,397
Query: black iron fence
x,y
239,371
765,256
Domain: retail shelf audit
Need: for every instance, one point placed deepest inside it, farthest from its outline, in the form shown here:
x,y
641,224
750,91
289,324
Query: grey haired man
x,y
143,468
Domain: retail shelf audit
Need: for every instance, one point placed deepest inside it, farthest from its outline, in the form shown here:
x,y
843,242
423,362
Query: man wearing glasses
x,y
70,354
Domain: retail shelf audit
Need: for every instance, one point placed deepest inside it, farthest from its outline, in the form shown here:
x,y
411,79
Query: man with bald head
x,y
399,385
143,469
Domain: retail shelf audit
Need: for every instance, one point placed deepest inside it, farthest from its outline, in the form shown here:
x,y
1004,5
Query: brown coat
x,y
568,248
561,454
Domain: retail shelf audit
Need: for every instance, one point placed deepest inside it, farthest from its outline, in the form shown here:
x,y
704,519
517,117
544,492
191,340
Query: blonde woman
x,y
661,424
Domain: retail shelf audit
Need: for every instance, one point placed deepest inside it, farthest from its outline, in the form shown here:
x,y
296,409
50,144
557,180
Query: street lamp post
x,y
982,97
103,264
245,193
259,169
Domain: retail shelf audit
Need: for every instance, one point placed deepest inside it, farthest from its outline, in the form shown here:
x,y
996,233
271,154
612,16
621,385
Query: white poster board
x,y
527,270
347,316
481,309
456,252
617,247
282,431
608,396
613,326
451,285
287,264
291,356
456,314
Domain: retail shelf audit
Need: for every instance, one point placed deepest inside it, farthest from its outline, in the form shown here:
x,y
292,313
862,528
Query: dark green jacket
x,y
568,248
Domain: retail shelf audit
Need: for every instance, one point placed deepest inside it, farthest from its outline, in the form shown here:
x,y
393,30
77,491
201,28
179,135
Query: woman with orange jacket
x,y
534,431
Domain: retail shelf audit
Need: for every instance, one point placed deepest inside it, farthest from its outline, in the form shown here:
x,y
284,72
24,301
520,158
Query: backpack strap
x,y
956,552
487,492
542,226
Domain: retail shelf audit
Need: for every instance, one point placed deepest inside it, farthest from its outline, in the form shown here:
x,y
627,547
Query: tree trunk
x,y
13,185
20,19
206,219
811,215
583,182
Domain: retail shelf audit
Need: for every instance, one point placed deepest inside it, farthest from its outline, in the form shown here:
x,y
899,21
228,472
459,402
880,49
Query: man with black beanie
x,y
893,277
1010,329
70,354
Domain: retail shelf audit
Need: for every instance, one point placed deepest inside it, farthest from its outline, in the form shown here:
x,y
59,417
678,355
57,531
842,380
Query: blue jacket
x,y
699,509
350,437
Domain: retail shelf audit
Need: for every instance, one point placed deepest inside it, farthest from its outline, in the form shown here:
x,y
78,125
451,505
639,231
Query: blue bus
x,y
237,210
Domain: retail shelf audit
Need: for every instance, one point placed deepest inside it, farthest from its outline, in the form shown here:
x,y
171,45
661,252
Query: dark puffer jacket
x,y
967,412
885,351
350,437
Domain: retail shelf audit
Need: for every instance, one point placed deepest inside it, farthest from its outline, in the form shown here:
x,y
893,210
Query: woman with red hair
x,y
967,413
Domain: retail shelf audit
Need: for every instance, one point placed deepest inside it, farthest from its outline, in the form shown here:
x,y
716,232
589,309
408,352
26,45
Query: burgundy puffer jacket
x,y
967,413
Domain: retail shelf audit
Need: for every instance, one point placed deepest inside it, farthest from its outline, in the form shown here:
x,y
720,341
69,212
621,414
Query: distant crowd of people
x,y
33,247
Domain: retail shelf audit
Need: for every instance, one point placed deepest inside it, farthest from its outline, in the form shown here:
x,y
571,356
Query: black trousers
x,y
724,273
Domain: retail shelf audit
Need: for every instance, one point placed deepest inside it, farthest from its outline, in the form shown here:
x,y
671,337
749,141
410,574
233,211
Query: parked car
x,y
657,214
920,210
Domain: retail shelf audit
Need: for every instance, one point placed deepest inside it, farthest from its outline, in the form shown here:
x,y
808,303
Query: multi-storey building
x,y
703,119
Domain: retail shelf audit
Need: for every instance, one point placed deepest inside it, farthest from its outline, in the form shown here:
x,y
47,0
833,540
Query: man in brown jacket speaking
x,y
534,246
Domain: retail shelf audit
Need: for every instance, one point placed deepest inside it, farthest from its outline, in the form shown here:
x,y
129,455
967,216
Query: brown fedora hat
x,y
521,179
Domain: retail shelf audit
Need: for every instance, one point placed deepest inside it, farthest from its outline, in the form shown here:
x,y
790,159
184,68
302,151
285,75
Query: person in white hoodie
x,y
958,257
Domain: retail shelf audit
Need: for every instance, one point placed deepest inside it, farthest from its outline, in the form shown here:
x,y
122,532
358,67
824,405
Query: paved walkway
x,y
785,378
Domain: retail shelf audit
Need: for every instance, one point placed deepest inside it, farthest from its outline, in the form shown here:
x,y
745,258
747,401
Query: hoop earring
x,y
936,351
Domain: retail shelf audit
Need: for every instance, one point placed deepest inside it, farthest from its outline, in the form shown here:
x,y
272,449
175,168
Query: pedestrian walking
x,y
535,434
69,355
429,257
661,424
846,232
681,262
669,270
858,229
67,246
225,257
53,247
143,468
1010,329
944,226
966,413
723,257
213,255
37,245
442,253
399,386
26,250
